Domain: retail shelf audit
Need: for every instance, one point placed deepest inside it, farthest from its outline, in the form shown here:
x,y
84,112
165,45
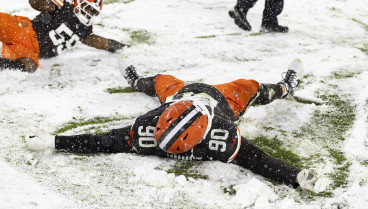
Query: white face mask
x,y
86,11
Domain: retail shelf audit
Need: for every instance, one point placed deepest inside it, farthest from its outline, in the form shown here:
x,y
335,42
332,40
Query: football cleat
x,y
274,29
41,141
309,182
131,75
87,10
240,18
291,78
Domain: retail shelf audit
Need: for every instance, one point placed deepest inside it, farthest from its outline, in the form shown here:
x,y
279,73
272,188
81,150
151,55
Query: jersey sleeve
x,y
222,141
142,133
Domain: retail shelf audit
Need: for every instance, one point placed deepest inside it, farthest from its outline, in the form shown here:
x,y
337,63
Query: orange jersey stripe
x,y
237,148
59,3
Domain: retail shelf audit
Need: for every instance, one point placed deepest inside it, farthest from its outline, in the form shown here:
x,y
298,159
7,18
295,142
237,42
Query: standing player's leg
x,y
269,21
239,14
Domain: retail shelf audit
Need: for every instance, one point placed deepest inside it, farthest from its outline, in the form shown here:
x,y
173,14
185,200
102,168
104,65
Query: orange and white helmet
x,y
87,10
182,126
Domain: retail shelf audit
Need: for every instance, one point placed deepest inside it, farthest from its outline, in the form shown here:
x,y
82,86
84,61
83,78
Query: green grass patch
x,y
214,36
141,36
340,175
344,74
118,1
95,121
308,101
364,49
95,62
364,25
338,156
240,59
342,169
186,169
255,34
137,36
119,89
327,130
274,147
341,117
230,189
209,36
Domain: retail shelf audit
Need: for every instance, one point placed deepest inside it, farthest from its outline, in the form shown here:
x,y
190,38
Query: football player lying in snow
x,y
59,26
194,122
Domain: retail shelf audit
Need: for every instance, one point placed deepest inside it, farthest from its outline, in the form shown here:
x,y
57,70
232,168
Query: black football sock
x,y
13,64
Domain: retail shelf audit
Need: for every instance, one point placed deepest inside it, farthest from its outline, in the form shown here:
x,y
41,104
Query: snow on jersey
x,y
222,141
59,30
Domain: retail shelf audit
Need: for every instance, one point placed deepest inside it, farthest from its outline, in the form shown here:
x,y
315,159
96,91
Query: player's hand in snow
x,y
40,141
115,45
309,182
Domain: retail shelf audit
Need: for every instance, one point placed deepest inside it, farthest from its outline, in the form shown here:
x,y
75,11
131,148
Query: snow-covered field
x,y
194,40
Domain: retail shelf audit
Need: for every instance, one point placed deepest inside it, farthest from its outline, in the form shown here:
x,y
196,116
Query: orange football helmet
x,y
87,10
182,126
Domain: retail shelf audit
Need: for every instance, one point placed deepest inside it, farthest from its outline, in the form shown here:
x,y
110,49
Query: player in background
x,y
59,26
269,20
195,122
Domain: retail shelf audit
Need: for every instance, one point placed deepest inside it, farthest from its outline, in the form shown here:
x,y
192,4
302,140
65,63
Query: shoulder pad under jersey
x,y
142,133
222,141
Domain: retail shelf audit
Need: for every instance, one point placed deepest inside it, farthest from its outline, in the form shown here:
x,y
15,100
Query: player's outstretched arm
x,y
43,5
254,159
115,141
100,42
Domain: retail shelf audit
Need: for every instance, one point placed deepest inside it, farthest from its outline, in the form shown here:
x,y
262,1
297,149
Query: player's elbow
x,y
42,5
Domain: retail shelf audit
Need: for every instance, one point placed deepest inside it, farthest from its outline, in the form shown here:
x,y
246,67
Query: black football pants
x,y
272,9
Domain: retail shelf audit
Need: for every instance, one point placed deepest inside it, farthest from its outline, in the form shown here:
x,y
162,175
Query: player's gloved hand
x,y
115,45
308,181
41,141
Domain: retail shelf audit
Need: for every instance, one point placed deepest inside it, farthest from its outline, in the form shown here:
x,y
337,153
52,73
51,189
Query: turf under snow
x,y
196,41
